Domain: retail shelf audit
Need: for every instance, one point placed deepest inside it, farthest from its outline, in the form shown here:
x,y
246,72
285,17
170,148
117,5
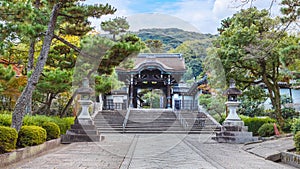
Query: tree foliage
x,y
250,48
155,46
6,73
251,101
194,52
52,83
20,18
115,26
171,37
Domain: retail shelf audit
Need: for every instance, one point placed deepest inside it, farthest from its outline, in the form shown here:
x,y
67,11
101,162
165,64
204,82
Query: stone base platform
x,y
81,133
235,135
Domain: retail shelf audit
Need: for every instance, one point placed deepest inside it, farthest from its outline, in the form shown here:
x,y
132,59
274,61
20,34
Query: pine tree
x,y
21,20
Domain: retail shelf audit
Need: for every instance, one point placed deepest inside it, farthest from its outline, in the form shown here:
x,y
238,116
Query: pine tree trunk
x,y
64,112
19,111
30,67
274,95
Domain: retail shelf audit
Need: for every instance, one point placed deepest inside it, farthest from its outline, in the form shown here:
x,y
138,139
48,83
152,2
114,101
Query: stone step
x,y
69,138
81,131
153,121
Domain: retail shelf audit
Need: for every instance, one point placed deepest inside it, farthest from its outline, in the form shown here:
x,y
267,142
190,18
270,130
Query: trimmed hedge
x,y
52,129
63,123
37,120
254,123
297,141
31,135
5,120
267,130
8,139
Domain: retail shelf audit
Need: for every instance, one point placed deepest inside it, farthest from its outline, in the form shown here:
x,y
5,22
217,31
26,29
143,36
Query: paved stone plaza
x,y
151,151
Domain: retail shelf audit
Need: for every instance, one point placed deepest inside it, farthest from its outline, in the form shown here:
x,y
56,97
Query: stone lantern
x,y
83,129
85,91
233,129
232,104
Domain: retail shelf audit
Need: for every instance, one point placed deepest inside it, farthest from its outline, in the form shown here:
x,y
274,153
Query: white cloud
x,y
205,15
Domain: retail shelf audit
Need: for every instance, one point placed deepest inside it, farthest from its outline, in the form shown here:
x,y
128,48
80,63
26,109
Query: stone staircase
x,y
150,121
153,121
198,122
110,121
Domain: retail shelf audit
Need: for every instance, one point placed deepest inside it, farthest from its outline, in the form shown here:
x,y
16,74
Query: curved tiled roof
x,y
165,61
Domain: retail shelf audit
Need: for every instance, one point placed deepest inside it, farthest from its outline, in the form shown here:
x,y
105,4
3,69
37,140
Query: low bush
x,y
295,125
8,139
37,120
267,130
254,123
287,126
52,130
297,141
31,135
5,120
63,123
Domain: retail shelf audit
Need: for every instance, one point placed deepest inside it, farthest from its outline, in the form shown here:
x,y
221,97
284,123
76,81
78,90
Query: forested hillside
x,y
192,45
171,37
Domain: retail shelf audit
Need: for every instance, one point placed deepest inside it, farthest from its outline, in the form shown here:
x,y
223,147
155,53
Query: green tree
x,y
151,98
101,56
106,83
194,52
155,46
6,73
115,26
251,101
215,104
250,50
63,17
51,84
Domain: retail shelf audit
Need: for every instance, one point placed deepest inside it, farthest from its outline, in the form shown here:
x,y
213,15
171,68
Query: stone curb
x,y
27,152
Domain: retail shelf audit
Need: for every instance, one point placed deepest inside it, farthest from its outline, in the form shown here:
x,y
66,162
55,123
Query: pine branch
x,y
72,46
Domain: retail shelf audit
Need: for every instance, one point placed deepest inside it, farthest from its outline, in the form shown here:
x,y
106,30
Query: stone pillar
x,y
169,93
182,102
233,119
131,92
84,116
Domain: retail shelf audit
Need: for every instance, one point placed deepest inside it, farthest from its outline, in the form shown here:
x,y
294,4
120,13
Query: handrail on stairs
x,y
182,121
202,109
126,119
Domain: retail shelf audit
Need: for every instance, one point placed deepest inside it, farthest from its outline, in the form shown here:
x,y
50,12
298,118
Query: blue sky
x,y
203,15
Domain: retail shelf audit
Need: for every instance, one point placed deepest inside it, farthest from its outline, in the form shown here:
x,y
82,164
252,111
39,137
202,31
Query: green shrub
x,y
254,123
5,112
36,120
295,125
63,123
5,120
31,135
297,141
52,130
267,130
287,126
8,139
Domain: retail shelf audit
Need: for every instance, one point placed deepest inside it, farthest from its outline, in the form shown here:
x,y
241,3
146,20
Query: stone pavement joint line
x,y
201,154
128,158
149,151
